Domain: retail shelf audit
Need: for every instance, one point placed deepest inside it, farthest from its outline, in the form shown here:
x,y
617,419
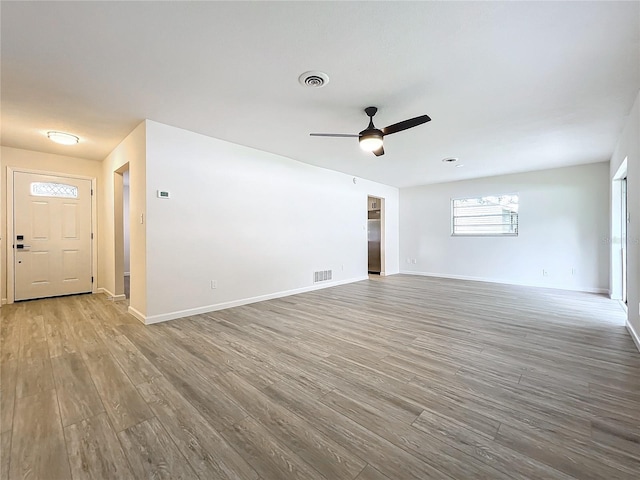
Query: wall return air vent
x,y
322,276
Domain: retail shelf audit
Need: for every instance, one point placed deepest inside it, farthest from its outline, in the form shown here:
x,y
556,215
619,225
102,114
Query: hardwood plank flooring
x,y
392,378
38,449
77,395
152,453
120,398
94,450
370,473
5,455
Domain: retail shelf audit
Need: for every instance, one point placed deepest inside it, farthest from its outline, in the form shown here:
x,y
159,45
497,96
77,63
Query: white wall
x,y
132,151
17,159
563,225
629,147
258,224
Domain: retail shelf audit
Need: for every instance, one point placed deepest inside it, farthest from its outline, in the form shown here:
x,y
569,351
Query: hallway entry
x,y
375,235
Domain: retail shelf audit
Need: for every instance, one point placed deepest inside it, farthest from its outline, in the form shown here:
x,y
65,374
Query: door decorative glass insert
x,y
49,189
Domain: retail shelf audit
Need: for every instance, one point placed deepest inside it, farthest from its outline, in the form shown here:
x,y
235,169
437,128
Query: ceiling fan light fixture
x,y
370,138
62,138
370,141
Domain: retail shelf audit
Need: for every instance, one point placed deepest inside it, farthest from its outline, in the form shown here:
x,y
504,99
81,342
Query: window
x,y
490,215
48,189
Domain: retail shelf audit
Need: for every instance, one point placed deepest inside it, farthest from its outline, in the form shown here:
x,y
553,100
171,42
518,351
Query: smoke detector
x,y
314,79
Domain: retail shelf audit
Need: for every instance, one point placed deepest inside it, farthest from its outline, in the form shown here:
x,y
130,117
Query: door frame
x,y
615,246
10,251
118,231
383,259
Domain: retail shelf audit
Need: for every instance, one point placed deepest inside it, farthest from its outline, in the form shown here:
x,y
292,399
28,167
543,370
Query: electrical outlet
x,y
573,271
214,284
414,261
545,273
408,260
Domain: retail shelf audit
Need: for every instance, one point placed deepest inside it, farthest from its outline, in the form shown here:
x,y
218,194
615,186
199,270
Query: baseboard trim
x,y
634,335
164,317
132,311
502,282
111,296
4,301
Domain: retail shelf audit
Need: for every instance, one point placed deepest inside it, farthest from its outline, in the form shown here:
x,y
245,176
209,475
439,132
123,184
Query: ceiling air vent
x,y
314,79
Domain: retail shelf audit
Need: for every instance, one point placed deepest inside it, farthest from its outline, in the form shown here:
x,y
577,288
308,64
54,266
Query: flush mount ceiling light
x,y
63,138
314,79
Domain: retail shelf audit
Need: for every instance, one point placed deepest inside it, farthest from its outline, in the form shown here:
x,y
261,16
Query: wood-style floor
x,y
392,378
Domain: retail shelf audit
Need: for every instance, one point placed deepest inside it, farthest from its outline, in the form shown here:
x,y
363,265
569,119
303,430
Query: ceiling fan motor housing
x,y
370,138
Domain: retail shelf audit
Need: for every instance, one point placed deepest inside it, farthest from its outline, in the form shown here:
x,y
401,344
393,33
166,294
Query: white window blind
x,y
488,215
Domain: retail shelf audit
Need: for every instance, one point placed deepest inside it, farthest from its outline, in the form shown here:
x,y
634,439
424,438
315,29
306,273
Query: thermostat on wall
x,y
163,194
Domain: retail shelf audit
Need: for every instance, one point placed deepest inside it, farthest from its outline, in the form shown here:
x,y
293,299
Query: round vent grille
x,y
314,79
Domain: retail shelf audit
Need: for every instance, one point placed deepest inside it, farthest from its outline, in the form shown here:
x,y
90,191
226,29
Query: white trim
x,y
615,248
634,335
132,311
94,233
111,296
237,303
504,282
4,301
9,244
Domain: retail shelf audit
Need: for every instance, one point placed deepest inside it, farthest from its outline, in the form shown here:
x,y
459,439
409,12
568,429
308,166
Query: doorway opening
x,y
375,235
619,221
125,234
121,230
623,236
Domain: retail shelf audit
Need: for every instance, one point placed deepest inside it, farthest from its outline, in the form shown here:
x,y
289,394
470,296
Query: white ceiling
x,y
510,86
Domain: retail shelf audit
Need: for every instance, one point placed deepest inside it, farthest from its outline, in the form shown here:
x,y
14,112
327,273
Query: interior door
x,y
52,235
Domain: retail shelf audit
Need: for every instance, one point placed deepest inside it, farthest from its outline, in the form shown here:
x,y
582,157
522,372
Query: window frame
x,y
480,234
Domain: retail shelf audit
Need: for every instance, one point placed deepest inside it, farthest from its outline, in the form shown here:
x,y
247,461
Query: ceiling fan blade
x,y
334,134
400,126
379,151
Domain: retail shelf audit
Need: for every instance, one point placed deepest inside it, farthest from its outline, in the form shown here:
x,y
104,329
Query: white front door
x,y
52,235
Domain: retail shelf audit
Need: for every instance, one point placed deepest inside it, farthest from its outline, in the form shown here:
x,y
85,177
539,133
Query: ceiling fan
x,y
371,137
